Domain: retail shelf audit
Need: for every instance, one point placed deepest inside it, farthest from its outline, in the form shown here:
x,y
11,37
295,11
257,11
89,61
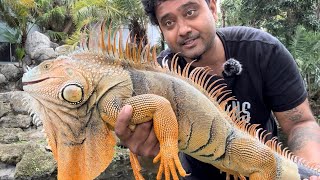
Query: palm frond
x,y
10,35
56,36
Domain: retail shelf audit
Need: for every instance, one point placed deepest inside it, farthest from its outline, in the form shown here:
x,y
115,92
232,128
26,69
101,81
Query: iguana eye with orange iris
x,y
72,93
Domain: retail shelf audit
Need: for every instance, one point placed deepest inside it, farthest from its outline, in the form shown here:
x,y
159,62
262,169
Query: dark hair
x,y
149,8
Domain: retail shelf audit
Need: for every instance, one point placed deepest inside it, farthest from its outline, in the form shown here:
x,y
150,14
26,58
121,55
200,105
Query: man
x,y
269,81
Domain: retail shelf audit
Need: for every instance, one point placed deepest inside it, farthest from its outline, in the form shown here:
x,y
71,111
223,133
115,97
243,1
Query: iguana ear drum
x,y
72,93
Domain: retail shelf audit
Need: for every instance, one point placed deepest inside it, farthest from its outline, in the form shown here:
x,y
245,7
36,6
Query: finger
x,y
151,144
156,149
139,137
121,128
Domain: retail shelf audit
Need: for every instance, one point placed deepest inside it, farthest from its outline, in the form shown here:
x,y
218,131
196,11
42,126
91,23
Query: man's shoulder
x,y
246,34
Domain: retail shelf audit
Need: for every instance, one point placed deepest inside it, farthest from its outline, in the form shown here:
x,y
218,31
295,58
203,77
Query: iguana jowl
x,y
78,98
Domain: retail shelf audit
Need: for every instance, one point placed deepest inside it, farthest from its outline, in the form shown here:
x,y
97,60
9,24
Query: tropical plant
x,y
54,18
305,48
133,15
86,12
118,12
17,15
13,37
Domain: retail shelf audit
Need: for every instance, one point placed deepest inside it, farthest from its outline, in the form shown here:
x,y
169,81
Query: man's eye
x,y
190,12
169,23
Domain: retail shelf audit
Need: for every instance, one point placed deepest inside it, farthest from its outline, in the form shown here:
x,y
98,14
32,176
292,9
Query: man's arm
x,y
302,130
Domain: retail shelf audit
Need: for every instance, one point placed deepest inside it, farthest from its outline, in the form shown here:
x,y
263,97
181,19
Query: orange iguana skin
x,y
78,98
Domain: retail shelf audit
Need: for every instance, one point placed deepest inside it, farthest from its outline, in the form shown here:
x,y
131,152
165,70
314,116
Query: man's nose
x,y
184,28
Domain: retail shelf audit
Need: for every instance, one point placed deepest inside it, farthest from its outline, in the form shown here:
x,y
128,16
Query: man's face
x,y
188,26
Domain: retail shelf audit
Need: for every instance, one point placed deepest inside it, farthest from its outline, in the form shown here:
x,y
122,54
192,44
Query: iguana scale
x,y
78,98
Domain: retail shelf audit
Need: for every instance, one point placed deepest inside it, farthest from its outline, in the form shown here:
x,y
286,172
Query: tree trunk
x,y
138,31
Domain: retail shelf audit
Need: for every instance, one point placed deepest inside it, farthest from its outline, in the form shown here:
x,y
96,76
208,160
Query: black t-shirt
x,y
270,81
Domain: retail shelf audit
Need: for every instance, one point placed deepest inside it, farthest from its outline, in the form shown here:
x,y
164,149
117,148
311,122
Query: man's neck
x,y
213,58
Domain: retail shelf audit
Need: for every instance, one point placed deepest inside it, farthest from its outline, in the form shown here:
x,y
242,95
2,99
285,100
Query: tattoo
x,y
301,136
294,114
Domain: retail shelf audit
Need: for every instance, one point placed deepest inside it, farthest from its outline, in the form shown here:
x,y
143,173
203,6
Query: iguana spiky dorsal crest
x,y
136,56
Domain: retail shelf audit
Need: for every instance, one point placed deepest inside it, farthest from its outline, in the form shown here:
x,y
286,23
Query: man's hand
x,y
142,141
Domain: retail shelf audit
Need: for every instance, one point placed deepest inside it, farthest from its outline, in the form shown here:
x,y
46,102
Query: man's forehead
x,y
167,5
160,2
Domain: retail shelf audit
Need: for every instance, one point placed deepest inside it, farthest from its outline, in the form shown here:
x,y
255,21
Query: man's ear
x,y
213,7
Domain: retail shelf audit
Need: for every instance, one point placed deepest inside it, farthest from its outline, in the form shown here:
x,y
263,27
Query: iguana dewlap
x,y
78,98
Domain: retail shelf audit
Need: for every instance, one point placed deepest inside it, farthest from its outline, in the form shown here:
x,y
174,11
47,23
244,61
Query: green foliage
x,y
20,52
230,10
56,36
279,18
131,10
85,11
17,15
305,48
23,15
128,13
74,39
11,36
51,15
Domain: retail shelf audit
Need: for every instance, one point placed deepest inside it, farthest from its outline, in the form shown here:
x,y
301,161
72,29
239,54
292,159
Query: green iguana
x,y
78,98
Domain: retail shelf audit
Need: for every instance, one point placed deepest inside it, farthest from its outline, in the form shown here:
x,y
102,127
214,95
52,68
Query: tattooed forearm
x,y
294,114
301,136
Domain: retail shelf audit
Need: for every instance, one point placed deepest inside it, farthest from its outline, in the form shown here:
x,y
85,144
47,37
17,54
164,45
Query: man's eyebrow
x,y
184,6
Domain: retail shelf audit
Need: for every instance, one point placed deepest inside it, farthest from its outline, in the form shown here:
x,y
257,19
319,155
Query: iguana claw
x,y
169,162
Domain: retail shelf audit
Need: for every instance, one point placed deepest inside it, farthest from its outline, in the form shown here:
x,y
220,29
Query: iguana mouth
x,y
34,82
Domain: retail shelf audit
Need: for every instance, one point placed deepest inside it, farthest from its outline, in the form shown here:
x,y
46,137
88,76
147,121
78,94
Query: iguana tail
x,y
305,172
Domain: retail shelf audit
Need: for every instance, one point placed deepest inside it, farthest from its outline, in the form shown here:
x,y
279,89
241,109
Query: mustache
x,y
188,37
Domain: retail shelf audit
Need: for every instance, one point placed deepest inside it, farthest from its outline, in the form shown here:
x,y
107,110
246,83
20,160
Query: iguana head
x,y
60,81
62,94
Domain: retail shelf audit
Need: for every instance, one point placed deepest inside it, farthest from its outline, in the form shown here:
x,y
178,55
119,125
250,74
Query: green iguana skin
x,y
78,98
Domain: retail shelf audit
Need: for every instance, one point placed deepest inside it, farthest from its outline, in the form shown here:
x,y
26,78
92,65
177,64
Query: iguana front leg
x,y
145,108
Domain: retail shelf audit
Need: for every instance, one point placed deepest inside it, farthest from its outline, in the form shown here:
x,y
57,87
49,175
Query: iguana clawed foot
x,y
169,162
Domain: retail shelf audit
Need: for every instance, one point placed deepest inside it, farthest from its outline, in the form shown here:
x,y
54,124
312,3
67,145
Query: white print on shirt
x,y
244,108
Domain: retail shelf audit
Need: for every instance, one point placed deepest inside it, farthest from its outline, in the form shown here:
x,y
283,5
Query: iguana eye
x,y
72,93
47,66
